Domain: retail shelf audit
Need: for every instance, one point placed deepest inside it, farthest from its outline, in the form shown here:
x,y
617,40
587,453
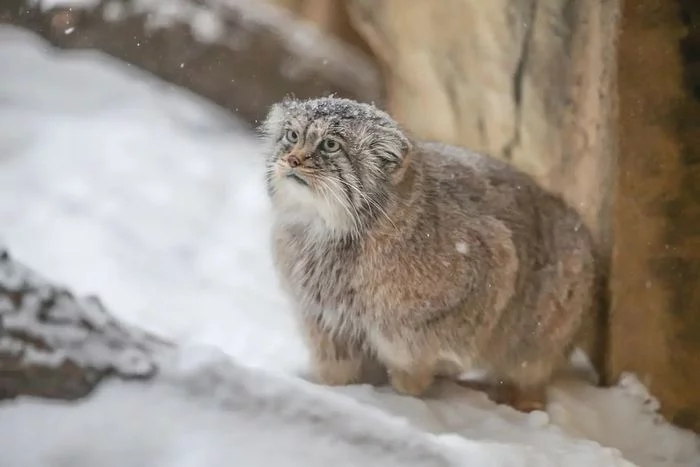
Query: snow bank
x,y
123,186
221,414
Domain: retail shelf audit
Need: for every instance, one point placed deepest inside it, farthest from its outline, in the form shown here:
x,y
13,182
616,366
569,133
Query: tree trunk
x,y
242,55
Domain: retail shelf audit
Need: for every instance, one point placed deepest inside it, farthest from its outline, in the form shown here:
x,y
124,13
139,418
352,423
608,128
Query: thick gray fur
x,y
424,258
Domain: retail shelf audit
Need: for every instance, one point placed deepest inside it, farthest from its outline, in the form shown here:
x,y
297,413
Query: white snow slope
x,y
118,184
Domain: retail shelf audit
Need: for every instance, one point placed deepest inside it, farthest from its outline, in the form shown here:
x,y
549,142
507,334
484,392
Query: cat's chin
x,y
298,203
297,179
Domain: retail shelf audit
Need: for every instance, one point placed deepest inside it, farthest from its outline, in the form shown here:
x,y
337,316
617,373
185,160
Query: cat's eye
x,y
292,136
330,145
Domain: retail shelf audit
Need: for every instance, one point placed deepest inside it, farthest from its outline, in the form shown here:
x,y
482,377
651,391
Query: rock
x,y
242,55
56,345
330,16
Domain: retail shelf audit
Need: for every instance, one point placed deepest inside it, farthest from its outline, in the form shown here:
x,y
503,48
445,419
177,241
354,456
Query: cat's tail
x,y
593,336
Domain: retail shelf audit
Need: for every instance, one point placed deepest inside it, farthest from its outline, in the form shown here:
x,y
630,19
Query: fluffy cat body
x,y
427,259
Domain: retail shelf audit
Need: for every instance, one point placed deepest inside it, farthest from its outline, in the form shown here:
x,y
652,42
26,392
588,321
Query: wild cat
x,y
427,259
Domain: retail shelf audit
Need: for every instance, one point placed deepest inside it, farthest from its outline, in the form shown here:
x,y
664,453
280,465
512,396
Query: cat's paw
x,y
338,372
410,384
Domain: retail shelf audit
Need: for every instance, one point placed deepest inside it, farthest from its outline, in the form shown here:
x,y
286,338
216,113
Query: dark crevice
x,y
519,75
690,46
688,113
524,53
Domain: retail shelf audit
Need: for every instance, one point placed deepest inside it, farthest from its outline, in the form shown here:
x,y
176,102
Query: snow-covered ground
x,y
118,184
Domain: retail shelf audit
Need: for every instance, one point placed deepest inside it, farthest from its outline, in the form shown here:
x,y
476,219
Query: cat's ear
x,y
393,147
272,126
288,101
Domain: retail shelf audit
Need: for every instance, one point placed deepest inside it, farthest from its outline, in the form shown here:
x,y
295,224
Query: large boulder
x,y
240,54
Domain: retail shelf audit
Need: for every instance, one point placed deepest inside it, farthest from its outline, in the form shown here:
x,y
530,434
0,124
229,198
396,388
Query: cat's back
x,y
467,186
479,184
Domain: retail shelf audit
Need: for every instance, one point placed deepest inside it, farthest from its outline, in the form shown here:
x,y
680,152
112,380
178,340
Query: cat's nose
x,y
293,161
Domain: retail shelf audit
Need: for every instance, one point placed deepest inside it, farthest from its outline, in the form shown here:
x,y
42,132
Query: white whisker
x,y
354,216
368,200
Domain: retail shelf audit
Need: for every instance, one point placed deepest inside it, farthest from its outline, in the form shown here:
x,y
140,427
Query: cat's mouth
x,y
297,178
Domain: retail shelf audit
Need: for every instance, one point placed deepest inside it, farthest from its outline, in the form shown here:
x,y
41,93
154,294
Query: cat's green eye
x,y
330,145
292,136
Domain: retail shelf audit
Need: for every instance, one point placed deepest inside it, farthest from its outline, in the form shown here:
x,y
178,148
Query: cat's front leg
x,y
411,370
335,359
